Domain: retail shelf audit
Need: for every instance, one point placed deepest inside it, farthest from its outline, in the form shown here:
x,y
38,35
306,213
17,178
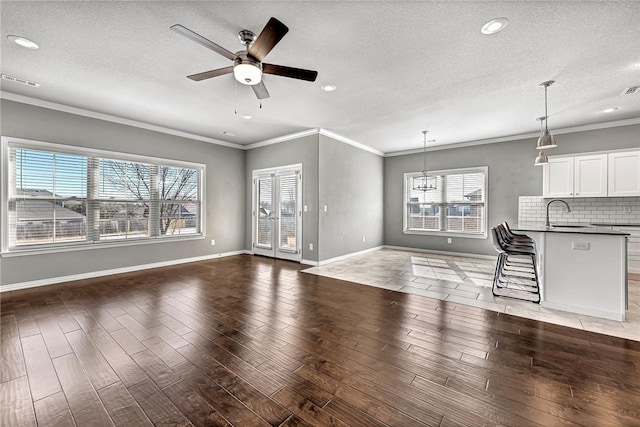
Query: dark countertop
x,y
604,224
568,228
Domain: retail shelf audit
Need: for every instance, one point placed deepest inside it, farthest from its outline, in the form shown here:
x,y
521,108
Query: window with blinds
x,y
60,195
453,203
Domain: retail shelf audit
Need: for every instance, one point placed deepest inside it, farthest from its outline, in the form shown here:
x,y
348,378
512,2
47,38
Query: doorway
x,y
277,213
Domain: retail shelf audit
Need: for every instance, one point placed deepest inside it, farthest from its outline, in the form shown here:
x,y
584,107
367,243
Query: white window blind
x,y
288,185
69,197
455,206
265,201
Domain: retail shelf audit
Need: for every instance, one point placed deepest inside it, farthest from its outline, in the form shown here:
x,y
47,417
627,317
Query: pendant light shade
x,y
541,159
546,140
424,182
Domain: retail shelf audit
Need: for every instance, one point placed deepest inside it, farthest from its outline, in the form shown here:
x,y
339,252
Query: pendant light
x,y
424,182
546,140
542,158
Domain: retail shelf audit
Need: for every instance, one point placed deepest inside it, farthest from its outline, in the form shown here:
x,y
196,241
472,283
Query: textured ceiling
x,y
400,67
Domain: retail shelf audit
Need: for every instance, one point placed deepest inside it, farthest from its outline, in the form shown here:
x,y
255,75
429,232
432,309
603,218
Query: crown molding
x,y
9,96
573,129
280,139
341,138
314,131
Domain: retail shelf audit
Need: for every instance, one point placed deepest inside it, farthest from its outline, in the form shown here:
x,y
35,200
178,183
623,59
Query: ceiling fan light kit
x,y
247,71
248,67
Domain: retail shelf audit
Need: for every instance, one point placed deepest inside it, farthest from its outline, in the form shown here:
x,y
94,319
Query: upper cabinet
x,y
557,178
593,175
590,176
624,173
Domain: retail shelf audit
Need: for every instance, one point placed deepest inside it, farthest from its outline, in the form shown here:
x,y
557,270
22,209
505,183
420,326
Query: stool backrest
x,y
496,239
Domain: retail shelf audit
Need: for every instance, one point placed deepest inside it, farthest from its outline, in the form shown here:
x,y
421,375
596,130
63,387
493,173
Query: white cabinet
x,y
557,179
590,176
577,176
624,173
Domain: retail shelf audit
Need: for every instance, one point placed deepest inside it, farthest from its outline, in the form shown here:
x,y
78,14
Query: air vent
x,y
21,81
631,90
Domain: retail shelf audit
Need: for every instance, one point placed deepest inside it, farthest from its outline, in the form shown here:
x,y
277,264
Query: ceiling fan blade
x,y
183,31
209,74
294,73
271,34
260,90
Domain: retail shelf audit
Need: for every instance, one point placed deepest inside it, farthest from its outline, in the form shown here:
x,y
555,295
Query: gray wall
x,y
351,186
301,150
225,187
362,191
511,174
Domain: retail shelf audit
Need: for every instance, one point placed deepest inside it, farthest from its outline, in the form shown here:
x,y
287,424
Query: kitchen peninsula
x,y
583,269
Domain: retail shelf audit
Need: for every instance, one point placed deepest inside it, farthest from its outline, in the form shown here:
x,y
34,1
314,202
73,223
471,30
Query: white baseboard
x,y
93,274
346,256
581,310
431,251
309,262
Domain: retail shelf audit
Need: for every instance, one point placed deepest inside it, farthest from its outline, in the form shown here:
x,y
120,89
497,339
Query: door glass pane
x,y
288,206
263,217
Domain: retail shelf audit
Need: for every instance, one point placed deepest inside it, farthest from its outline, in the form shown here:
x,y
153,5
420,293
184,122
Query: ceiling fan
x,y
247,65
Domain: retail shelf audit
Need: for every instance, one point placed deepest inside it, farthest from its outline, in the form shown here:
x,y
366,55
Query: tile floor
x,y
467,281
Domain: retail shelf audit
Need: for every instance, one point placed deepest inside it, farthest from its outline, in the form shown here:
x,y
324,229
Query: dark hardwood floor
x,y
249,341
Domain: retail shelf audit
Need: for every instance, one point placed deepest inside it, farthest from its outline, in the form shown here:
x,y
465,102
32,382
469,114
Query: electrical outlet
x,y
213,242
363,239
325,208
310,246
449,240
305,208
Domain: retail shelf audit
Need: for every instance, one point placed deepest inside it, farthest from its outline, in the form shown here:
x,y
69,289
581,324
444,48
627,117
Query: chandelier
x,y
424,182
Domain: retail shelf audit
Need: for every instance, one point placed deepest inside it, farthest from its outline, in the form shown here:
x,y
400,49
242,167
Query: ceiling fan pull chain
x,y
235,98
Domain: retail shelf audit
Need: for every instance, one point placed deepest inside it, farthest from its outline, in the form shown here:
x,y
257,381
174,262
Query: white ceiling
x,y
400,67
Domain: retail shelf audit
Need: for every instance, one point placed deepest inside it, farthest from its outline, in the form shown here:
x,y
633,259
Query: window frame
x,y
6,143
443,204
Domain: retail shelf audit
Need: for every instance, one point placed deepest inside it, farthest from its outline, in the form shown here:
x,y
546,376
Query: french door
x,y
277,213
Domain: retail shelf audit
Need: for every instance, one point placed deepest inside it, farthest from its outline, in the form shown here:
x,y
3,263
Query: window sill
x,y
446,234
98,245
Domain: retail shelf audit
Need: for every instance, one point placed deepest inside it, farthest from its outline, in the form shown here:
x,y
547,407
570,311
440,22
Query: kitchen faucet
x,y
549,203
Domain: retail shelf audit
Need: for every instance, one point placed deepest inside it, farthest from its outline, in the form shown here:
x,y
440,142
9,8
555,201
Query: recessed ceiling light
x,y
21,41
328,87
494,26
246,116
228,133
611,110
637,65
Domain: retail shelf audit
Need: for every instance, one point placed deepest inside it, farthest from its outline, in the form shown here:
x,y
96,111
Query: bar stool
x,y
517,237
516,274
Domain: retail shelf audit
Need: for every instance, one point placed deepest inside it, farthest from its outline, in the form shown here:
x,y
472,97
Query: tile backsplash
x,y
609,210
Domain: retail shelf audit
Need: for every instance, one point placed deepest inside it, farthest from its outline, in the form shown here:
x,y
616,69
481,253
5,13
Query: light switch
x,y
580,246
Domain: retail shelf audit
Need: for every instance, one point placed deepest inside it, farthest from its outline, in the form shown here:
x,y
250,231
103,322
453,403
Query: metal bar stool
x,y
516,274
